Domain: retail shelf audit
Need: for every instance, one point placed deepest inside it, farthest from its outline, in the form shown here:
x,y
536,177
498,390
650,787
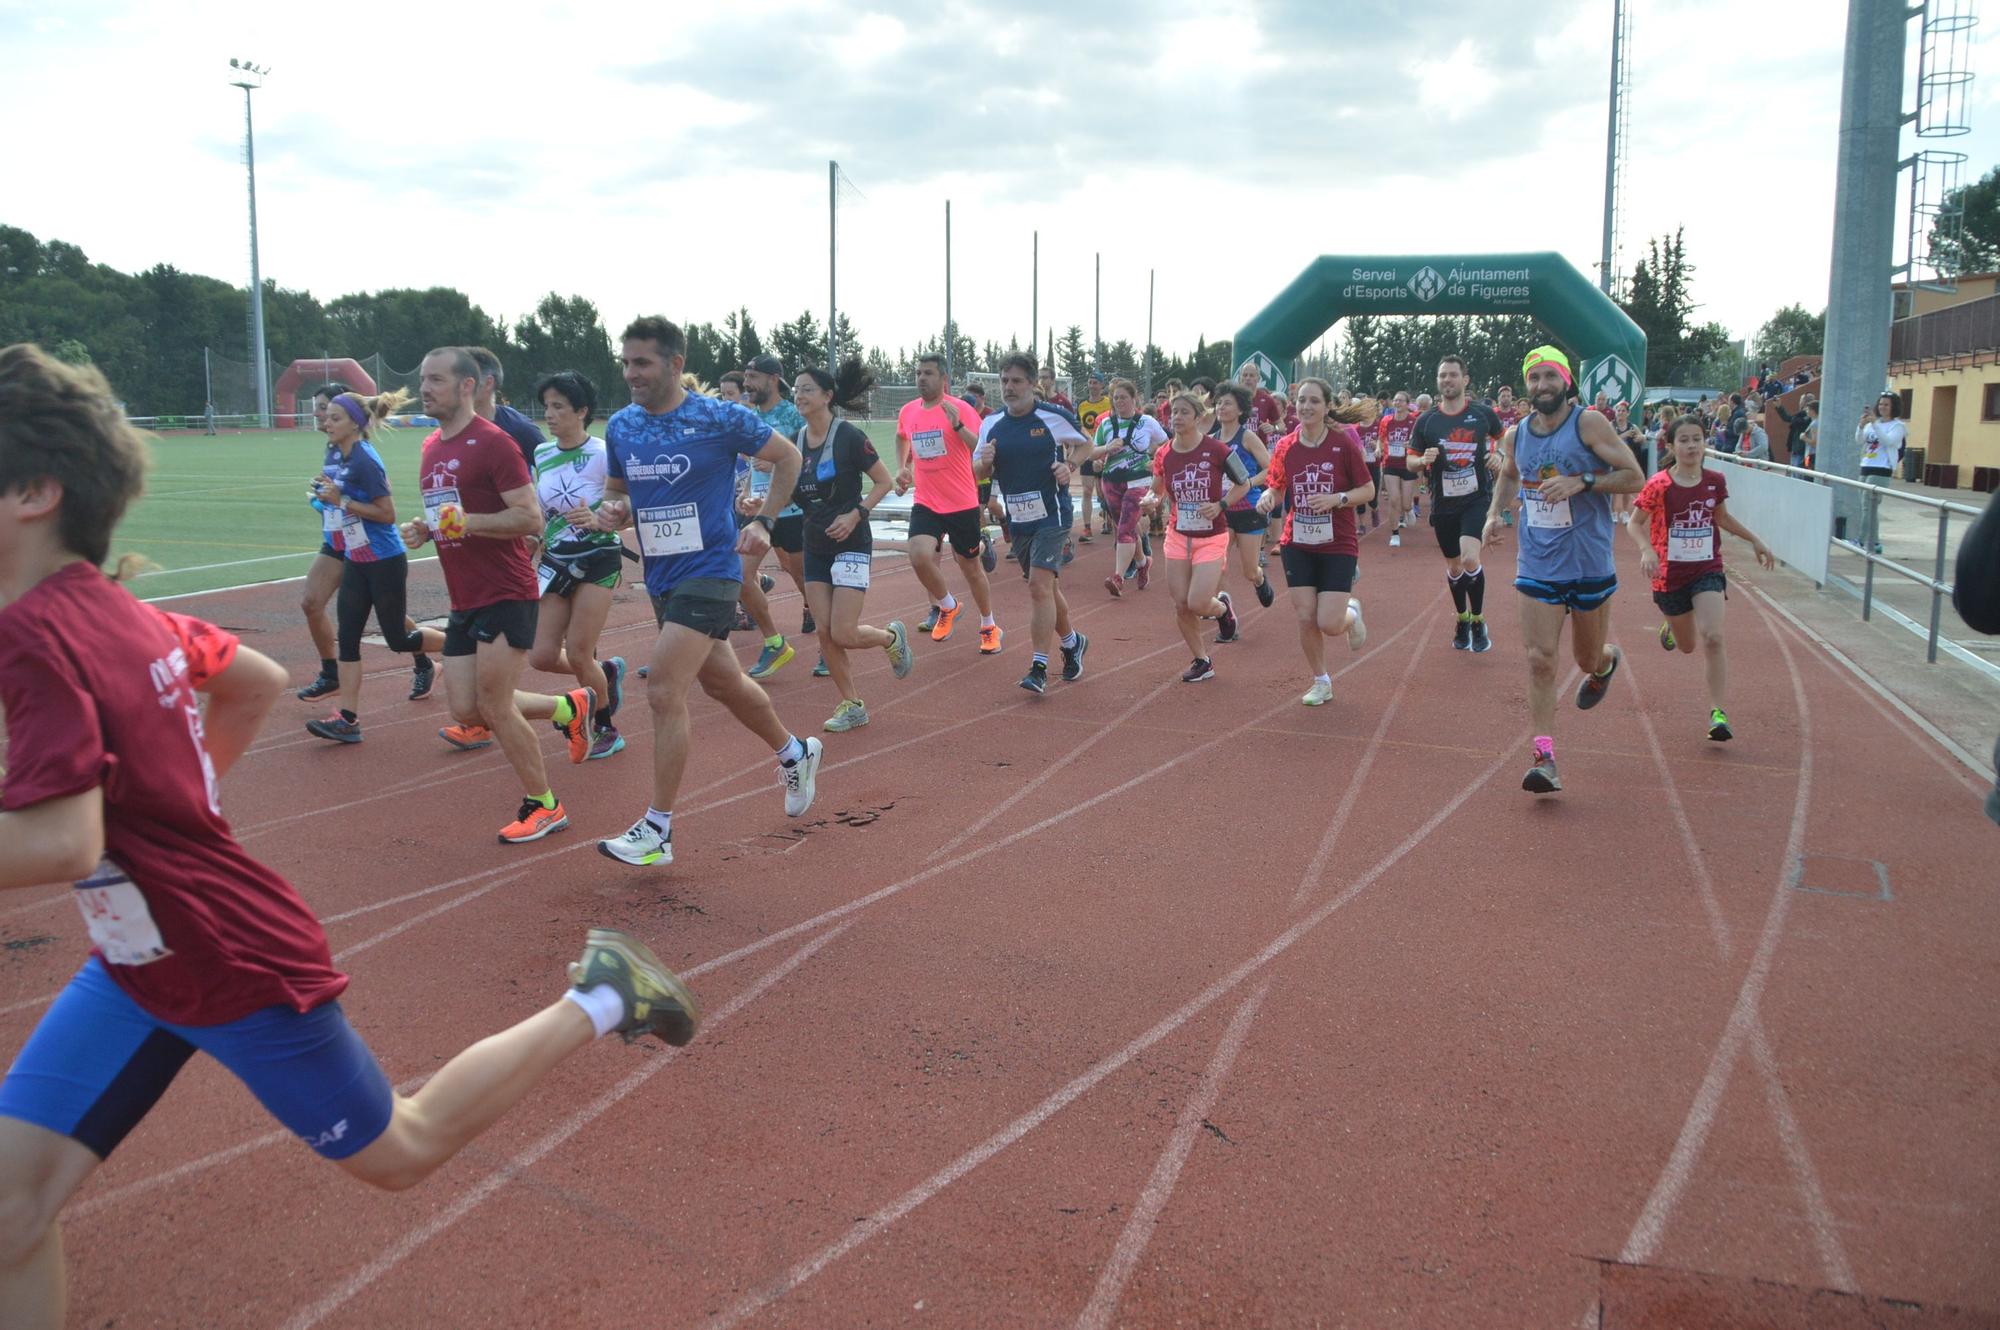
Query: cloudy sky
x,y
672,158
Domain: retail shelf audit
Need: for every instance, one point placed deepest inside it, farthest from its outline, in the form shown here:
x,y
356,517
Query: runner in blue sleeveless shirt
x,y
1562,462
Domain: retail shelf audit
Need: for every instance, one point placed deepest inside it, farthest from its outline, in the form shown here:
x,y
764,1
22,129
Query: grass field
x,y
232,510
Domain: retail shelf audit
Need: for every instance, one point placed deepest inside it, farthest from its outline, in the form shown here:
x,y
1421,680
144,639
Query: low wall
x,y
1794,517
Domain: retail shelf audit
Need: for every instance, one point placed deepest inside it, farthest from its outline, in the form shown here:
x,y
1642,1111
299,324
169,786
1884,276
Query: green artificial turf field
x,y
231,510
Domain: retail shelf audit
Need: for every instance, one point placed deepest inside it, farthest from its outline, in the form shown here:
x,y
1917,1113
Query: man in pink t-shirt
x,y
112,783
935,436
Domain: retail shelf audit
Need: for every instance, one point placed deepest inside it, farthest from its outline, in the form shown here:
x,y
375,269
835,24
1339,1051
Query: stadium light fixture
x,y
250,77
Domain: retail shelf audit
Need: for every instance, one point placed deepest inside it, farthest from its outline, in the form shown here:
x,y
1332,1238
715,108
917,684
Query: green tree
x,y
743,332
799,343
1790,332
564,332
711,352
1973,244
1073,358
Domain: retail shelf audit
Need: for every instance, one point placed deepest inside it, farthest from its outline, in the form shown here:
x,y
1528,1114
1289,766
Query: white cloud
x,y
675,160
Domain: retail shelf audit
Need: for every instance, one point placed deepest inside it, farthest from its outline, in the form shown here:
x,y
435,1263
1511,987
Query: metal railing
x,y
1871,524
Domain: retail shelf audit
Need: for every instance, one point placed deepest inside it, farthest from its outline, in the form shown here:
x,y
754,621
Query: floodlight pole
x,y
250,78
832,263
1035,299
950,335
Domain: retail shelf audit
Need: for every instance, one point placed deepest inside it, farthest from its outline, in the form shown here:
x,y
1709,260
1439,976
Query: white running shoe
x,y
641,845
1319,694
801,779
1396,539
1357,632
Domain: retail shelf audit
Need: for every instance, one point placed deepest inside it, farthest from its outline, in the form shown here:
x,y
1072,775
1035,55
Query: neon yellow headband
x,y
1548,355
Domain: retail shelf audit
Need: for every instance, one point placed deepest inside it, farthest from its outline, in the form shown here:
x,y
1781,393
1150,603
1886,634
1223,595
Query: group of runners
x,y
711,482
115,762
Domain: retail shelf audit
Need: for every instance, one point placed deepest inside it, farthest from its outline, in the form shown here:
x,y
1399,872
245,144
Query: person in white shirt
x,y
1882,435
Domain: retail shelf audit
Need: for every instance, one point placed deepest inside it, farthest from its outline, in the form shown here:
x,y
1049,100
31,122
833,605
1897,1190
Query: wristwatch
x,y
768,524
1589,480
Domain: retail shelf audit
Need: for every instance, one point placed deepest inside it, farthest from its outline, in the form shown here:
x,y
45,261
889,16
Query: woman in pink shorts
x,y
1195,480
1123,449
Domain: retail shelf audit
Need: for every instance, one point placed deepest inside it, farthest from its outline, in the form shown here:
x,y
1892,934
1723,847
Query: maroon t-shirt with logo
x,y
1203,474
1682,526
99,693
473,469
1301,470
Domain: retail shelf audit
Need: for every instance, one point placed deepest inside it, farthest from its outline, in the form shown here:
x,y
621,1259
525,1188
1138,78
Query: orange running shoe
x,y
533,823
582,728
467,737
989,639
945,620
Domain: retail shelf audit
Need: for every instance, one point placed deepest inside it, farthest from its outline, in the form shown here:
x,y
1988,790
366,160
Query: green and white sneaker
x,y
656,1001
1319,694
849,715
641,845
900,658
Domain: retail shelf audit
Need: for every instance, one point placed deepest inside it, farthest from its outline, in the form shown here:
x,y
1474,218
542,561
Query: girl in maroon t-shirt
x,y
1322,474
1195,480
111,783
1676,522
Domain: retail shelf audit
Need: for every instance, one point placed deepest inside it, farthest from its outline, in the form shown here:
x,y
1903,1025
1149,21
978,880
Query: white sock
x,y
664,821
602,1004
1323,678
949,603
791,752
985,621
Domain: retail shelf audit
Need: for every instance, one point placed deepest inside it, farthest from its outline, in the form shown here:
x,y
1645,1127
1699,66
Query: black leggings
x,y
383,586
1375,474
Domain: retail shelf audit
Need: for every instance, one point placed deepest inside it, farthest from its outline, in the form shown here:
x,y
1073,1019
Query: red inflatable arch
x,y
291,397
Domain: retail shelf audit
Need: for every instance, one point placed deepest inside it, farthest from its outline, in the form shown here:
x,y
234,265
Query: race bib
x,y
929,445
1187,517
1026,507
1540,514
434,500
121,927
760,483
674,528
1459,484
851,570
1690,544
545,573
353,532
1310,528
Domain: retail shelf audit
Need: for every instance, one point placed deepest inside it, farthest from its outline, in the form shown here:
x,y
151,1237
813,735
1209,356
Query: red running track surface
x,y
1137,1004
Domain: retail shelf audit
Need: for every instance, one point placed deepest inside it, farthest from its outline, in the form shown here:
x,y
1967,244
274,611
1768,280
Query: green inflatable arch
x,y
1610,347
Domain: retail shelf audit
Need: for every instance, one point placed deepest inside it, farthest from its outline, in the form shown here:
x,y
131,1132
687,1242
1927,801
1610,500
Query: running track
x,y
1138,1004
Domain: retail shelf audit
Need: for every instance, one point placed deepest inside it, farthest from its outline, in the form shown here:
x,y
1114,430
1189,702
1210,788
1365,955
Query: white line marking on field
x,y
471,1200
1160,1186
1647,1232
1358,779
882,1220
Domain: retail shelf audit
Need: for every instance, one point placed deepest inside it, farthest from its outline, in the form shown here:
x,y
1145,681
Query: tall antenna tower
x,y
1614,149
1944,78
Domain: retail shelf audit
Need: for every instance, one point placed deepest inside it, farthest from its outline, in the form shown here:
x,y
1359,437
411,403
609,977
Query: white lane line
x,y
1358,780
1791,1137
424,917
866,1230
1943,740
1160,1186
489,1186
1643,1243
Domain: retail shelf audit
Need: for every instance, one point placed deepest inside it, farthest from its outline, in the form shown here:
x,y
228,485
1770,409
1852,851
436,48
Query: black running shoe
x,y
1264,593
1226,626
1461,636
1594,686
806,626
319,687
1541,777
423,675
1481,641
1199,672
1036,680
765,583
1073,660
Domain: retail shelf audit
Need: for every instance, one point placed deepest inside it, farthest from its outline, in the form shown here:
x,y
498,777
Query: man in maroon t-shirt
x,y
1264,406
112,783
480,507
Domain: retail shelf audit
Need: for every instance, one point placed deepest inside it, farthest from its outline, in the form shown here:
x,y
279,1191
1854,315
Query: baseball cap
x,y
767,364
